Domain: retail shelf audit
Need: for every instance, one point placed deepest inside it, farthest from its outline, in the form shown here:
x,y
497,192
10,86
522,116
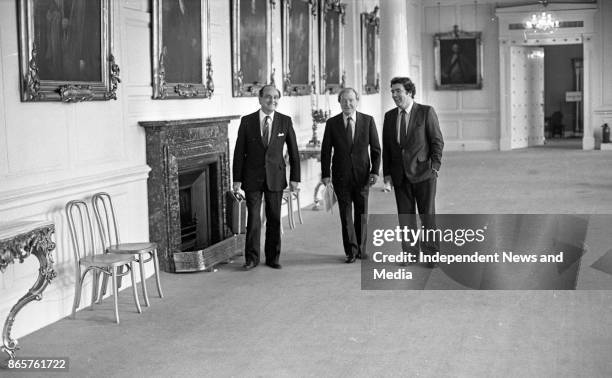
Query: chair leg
x,y
77,293
157,280
96,296
299,208
115,292
134,288
290,212
143,280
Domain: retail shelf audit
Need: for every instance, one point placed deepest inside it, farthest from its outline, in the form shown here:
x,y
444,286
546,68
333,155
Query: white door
x,y
527,96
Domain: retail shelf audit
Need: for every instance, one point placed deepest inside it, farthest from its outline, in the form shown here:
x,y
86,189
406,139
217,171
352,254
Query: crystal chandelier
x,y
543,22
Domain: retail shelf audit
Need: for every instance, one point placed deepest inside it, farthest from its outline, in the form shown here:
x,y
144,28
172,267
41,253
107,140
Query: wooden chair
x,y
92,258
109,235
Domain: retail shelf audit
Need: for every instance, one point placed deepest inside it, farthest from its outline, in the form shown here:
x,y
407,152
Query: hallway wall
x,y
470,119
53,152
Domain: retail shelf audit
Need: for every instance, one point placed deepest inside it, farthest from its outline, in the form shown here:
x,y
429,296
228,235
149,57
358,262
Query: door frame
x,y
580,33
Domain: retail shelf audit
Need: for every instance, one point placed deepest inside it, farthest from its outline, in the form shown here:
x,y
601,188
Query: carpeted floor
x,y
312,319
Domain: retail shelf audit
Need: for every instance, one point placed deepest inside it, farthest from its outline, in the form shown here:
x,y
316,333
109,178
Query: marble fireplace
x,y
189,177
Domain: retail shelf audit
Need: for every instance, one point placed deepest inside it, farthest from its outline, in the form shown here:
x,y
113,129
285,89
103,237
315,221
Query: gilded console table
x,y
18,241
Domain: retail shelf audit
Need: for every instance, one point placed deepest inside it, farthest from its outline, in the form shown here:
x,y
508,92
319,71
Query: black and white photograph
x,y
305,188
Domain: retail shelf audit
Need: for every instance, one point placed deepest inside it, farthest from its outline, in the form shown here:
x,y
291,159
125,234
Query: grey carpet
x,y
312,319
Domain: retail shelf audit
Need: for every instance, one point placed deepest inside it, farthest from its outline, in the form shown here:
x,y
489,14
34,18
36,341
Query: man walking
x,y
353,168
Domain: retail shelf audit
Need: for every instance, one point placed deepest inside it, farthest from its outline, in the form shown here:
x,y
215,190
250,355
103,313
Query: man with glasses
x,y
412,155
354,169
259,169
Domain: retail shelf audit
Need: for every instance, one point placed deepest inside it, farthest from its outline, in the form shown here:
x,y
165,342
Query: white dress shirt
x,y
262,117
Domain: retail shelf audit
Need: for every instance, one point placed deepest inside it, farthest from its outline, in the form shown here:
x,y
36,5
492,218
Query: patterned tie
x,y
403,131
266,131
349,131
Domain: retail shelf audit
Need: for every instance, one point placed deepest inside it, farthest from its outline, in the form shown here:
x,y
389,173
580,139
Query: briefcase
x,y
236,212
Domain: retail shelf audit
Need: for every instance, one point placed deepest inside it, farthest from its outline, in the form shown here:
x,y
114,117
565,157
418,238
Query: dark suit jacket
x,y
356,163
255,165
423,150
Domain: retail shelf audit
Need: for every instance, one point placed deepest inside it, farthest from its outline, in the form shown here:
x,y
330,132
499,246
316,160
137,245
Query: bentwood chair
x,y
109,235
90,257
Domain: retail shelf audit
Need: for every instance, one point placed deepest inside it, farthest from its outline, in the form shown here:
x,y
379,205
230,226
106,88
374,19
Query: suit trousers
x,y
420,196
272,247
352,200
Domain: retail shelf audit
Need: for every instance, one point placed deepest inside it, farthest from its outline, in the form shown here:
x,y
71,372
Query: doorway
x,y
563,93
574,35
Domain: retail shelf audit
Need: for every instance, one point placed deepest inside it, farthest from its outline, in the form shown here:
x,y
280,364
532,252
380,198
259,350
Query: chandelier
x,y
543,22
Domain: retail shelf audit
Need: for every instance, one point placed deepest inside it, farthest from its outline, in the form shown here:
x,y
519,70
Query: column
x,y
393,47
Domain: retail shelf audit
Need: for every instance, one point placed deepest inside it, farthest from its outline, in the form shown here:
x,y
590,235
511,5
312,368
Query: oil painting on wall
x,y
65,50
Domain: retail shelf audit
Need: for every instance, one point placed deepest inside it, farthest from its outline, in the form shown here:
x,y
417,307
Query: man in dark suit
x,y
353,169
259,168
412,155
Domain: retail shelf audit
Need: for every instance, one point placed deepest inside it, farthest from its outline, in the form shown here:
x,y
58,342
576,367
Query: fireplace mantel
x,y
174,146
187,123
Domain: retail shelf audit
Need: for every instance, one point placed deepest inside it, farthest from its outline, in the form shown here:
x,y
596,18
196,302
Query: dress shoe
x,y
249,265
362,256
350,259
274,265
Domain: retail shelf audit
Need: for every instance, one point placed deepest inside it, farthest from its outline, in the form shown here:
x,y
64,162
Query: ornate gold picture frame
x,y
65,51
298,20
182,62
370,51
251,46
458,60
331,45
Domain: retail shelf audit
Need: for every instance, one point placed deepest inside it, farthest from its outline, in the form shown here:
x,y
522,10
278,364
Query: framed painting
x,y
298,19
251,46
331,45
370,51
65,51
181,42
458,60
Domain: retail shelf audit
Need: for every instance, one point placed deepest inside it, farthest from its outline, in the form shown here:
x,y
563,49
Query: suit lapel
x,y
413,117
256,126
358,127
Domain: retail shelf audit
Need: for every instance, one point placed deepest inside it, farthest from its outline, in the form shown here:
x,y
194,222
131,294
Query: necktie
x,y
266,131
349,131
403,131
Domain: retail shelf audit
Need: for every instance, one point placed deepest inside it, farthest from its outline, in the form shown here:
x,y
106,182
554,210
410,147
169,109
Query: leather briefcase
x,y
236,212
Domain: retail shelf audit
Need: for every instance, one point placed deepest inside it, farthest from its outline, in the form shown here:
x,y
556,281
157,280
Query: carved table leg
x,y
39,244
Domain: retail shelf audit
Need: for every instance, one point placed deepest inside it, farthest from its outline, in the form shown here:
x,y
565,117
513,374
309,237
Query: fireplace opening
x,y
198,207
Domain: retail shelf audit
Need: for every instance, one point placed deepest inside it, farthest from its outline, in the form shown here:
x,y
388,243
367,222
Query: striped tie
x,y
266,131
